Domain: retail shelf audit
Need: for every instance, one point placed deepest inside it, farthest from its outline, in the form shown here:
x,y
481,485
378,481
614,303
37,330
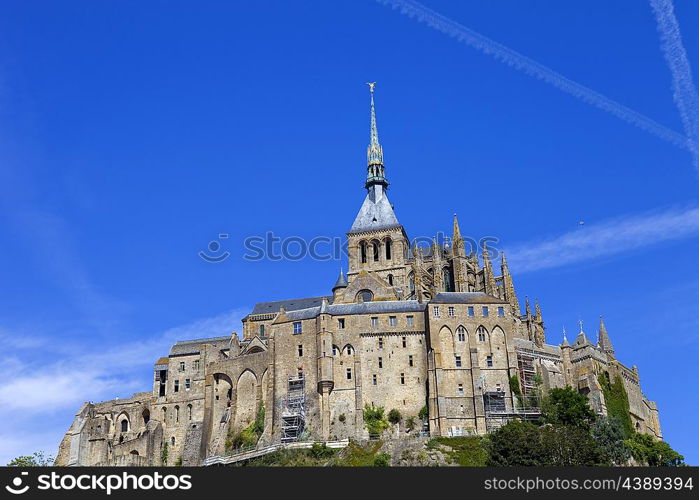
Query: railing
x,y
249,453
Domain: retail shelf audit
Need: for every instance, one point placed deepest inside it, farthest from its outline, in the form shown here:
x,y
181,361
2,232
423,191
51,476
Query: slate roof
x,y
289,305
466,298
383,306
185,347
376,213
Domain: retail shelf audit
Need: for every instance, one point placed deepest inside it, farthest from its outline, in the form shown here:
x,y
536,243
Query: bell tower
x,y
377,241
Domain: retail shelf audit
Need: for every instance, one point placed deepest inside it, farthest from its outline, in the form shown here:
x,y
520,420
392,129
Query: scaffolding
x,y
294,411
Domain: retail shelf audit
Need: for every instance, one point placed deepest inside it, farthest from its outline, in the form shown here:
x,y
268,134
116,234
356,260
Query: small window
x,y
373,379
460,389
262,330
405,341
388,250
187,384
461,334
410,361
297,327
182,366
172,440
392,321
458,361
189,412
300,350
409,320
349,373
349,350
177,386
436,311
334,350
380,362
390,279
196,365
177,413
380,342
341,323
374,322
402,379
124,425
450,311
489,361
501,312
485,311
470,311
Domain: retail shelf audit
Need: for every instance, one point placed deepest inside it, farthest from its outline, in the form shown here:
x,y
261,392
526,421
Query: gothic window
x,y
262,330
375,250
448,281
411,284
125,425
388,244
362,251
177,413
390,279
461,334
482,332
365,296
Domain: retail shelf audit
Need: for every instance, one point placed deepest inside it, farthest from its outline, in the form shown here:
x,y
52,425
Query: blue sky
x,y
133,133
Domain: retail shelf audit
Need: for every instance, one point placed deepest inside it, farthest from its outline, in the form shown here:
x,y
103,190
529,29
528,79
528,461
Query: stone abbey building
x,y
406,328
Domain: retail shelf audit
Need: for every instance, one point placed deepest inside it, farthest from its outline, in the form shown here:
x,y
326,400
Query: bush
x,y
320,451
617,402
164,453
609,435
382,460
356,455
178,462
515,387
423,414
394,416
467,451
516,443
375,420
410,423
249,436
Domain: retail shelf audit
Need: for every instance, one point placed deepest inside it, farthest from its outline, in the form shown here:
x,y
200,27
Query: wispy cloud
x,y
684,91
535,69
607,238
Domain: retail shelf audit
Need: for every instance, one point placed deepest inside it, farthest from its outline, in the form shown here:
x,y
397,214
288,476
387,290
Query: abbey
x,y
433,332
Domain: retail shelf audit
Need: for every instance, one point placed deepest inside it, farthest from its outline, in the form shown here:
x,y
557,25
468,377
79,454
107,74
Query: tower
x,y
605,344
377,242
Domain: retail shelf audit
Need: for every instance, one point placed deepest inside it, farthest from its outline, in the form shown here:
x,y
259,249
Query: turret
x,y
509,286
488,276
340,284
605,344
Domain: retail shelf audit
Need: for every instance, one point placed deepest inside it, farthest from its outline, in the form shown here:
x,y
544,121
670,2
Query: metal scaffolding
x,y
294,411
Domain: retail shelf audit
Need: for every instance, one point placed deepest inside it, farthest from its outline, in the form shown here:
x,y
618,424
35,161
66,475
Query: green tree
x,y
567,407
164,453
647,450
566,445
423,414
38,459
375,420
609,434
516,443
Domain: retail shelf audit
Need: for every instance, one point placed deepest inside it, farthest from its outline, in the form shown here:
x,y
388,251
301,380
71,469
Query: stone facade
x,y
407,328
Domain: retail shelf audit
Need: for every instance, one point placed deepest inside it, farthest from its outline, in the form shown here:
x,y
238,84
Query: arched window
x,y
164,415
365,296
189,412
461,334
177,413
262,330
389,245
125,425
146,416
390,279
172,441
362,251
375,250
482,334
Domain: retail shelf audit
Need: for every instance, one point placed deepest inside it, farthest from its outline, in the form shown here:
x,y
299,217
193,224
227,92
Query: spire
x,y
375,166
488,276
527,307
341,281
603,339
565,339
508,285
537,311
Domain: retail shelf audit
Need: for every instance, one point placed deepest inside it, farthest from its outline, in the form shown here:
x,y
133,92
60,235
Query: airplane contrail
x,y
537,70
684,91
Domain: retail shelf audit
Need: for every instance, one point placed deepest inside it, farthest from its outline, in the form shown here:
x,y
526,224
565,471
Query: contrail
x,y
684,92
604,239
521,62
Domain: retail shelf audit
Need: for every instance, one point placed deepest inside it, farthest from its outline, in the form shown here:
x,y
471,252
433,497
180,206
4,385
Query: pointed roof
x,y
341,281
457,230
376,212
603,339
581,339
565,339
